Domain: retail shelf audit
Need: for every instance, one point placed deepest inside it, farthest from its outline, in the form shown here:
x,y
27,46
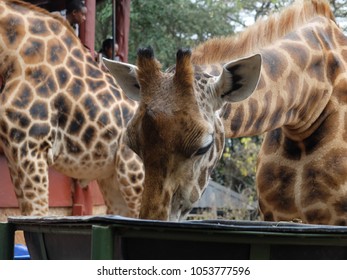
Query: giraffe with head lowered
x,y
59,108
294,62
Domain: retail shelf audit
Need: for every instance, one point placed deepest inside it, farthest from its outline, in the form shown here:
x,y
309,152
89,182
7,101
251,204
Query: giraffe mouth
x,y
179,206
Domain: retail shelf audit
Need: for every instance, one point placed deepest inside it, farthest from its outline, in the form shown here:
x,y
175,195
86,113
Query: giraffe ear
x,y
239,79
125,75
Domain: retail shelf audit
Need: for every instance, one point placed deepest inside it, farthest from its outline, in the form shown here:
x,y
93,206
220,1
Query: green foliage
x,y
103,22
169,25
236,170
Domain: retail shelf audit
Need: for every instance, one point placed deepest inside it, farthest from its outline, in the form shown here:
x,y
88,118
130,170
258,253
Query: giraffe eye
x,y
203,150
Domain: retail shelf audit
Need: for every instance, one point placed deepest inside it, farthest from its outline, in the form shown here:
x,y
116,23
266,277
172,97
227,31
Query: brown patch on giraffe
x,y
138,190
292,36
237,119
107,100
335,167
74,147
63,106
91,107
75,67
340,222
292,89
340,206
267,215
39,131
39,111
30,195
92,70
316,69
323,134
100,151
69,40
314,186
298,52
11,70
259,121
55,26
291,149
202,177
344,55
62,76
32,50
311,38
272,142
275,183
253,109
78,54
17,135
334,66
318,216
88,137
325,38
24,98
219,143
77,123
41,78
26,208
56,52
76,88
340,91
275,63
38,27
18,117
126,113
13,28
276,117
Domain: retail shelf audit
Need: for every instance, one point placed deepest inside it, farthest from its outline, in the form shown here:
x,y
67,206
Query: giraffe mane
x,y
38,9
260,34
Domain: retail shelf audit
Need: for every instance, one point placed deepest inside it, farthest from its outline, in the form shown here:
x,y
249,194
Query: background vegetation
x,y
170,24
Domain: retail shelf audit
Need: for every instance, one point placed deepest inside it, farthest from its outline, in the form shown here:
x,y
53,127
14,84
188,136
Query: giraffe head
x,y
176,130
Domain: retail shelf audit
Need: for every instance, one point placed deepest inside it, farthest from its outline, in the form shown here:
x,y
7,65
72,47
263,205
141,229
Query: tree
x,y
169,25
103,22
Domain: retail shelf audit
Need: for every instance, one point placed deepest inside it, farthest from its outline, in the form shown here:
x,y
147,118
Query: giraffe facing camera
x,y
178,136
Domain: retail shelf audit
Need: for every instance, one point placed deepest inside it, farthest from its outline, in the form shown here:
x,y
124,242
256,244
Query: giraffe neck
x,y
295,85
291,42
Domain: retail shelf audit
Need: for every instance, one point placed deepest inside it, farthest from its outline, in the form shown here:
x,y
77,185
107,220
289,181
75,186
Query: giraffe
x,y
59,109
177,165
299,103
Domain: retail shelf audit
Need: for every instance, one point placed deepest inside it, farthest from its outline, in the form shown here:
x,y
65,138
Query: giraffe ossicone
x,y
299,103
59,108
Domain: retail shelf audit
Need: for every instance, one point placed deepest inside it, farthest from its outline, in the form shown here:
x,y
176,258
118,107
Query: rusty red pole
x,y
87,29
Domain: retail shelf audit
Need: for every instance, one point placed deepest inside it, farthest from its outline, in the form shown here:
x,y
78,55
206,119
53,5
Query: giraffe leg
x,y
30,179
113,197
122,192
130,173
